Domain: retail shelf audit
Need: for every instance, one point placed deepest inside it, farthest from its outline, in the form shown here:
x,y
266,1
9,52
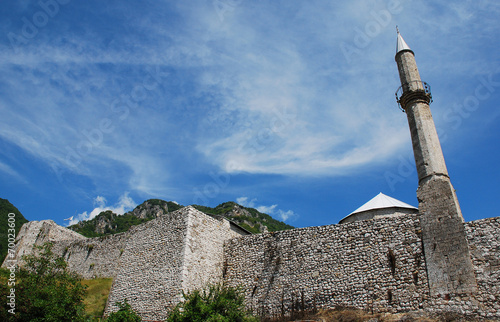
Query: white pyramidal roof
x,y
381,201
402,45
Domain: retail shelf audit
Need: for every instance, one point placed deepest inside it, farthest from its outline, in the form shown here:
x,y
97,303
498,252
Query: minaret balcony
x,y
415,90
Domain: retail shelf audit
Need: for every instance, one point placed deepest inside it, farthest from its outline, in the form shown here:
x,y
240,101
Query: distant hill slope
x,y
107,222
5,208
248,218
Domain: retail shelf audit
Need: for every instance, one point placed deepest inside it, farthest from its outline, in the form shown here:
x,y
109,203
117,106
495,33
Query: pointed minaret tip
x,y
401,45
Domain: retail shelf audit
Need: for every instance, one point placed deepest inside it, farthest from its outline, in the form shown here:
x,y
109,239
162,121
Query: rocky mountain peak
x,y
150,208
108,222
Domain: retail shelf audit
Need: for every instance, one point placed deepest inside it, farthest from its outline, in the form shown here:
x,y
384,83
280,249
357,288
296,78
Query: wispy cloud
x,y
281,110
11,172
273,210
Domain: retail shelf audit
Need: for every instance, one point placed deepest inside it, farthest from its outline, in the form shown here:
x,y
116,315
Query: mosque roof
x,y
381,201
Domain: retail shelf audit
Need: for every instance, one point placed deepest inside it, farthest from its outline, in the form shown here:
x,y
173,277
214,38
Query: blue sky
x,y
286,106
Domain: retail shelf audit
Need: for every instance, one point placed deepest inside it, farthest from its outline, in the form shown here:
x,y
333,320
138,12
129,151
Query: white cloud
x,y
100,201
244,202
267,209
285,215
124,204
272,210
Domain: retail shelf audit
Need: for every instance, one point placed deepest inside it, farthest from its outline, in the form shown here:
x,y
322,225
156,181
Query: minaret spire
x,y
449,266
401,45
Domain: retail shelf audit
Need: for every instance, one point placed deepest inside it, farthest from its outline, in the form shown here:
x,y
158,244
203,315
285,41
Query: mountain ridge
x,y
108,222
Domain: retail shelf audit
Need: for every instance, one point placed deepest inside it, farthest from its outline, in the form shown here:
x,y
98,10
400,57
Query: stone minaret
x,y
449,266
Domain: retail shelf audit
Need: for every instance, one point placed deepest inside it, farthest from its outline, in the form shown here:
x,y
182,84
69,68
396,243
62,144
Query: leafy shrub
x,y
124,314
217,303
45,290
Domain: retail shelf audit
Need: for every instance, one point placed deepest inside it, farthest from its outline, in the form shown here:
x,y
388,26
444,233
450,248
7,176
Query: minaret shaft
x,y
426,147
449,266
408,71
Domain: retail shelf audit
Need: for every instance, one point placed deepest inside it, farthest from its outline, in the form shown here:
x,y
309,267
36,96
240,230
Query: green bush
x,y
45,290
124,314
217,303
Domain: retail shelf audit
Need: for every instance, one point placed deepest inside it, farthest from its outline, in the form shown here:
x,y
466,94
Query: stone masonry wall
x,y
484,245
93,257
38,232
182,250
204,250
373,264
89,257
378,213
151,263
448,260
150,268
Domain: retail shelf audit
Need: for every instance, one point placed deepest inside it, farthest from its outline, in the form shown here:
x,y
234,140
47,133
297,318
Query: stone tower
x,y
449,266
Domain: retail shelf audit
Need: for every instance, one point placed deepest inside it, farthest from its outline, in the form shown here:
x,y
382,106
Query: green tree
x,y
124,314
45,290
217,303
6,222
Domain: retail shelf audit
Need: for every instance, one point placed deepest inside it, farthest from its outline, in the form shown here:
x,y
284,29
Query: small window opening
x,y
392,261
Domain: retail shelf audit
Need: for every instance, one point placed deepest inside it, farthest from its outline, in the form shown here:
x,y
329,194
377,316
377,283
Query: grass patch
x,y
97,295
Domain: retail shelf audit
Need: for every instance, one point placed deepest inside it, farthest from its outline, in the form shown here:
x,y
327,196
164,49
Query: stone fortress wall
x,y
149,274
484,245
182,250
89,257
368,264
376,264
150,263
